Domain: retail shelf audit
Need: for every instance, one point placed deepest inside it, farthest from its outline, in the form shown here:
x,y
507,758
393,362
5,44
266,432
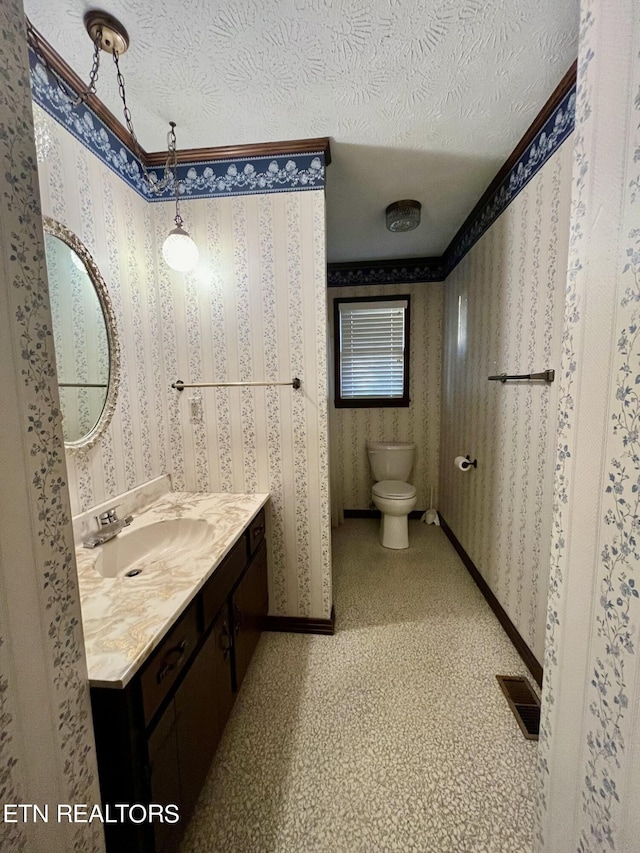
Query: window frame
x,y
371,402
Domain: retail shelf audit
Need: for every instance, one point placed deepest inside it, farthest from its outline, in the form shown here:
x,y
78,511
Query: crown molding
x,y
320,145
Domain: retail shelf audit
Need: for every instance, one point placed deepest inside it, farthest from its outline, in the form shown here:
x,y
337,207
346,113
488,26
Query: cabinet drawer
x,y
256,532
168,661
219,585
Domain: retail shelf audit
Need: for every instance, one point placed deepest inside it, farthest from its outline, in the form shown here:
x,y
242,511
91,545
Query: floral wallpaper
x,y
44,696
502,314
592,685
351,429
255,310
566,377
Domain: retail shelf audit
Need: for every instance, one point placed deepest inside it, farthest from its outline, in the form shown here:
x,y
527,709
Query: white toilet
x,y
391,463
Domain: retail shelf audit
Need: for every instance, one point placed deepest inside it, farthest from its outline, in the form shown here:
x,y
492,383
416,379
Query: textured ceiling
x,y
422,99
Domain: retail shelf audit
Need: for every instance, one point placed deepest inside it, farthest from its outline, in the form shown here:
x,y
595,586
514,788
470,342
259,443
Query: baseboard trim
x,y
528,657
301,624
375,513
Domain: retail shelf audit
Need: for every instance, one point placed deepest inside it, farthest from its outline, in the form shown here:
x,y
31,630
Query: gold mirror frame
x,y
56,229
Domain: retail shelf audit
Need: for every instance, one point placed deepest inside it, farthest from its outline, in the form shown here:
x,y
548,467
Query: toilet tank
x,y
391,460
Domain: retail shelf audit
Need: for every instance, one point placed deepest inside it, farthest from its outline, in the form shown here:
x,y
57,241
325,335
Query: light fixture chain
x,y
172,164
113,27
95,68
178,219
155,185
75,101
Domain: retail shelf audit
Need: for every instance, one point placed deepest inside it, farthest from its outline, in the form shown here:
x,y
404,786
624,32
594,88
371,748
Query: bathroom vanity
x,y
165,676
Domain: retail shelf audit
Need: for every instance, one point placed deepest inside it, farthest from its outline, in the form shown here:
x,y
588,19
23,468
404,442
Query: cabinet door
x,y
164,778
203,702
197,724
249,607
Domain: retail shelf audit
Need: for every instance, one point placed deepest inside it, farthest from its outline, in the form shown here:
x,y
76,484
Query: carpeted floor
x,y
392,735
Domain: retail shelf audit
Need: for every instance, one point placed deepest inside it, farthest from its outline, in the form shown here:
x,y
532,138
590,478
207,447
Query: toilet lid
x,y
394,489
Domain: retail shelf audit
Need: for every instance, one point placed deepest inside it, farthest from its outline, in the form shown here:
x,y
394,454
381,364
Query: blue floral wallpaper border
x,y
208,179
413,270
556,129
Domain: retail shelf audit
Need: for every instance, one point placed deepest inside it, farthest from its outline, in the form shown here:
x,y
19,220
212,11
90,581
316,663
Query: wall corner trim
x,y
529,659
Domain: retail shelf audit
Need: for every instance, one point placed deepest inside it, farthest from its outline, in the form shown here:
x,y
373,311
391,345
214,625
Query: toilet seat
x,y
394,490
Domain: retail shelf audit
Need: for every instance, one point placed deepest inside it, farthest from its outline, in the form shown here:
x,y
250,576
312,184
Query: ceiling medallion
x,y
403,215
107,32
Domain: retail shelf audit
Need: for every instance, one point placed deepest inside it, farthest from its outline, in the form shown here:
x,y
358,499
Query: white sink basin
x,y
137,549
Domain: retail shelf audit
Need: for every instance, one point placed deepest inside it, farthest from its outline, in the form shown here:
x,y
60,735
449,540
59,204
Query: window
x,y
372,351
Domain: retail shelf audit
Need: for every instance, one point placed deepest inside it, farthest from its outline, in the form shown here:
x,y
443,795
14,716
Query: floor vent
x,y
523,702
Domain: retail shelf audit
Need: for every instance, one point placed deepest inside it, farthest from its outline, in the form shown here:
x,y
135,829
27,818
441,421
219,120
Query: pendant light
x,y
178,250
109,36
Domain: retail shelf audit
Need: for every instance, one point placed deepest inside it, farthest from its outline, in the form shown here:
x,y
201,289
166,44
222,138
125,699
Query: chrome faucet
x,y
109,525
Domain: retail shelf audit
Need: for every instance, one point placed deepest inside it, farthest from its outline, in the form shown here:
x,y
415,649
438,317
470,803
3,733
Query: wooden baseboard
x,y
530,660
301,625
375,513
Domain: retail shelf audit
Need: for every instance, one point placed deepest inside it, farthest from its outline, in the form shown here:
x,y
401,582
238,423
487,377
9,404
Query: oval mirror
x,y
84,334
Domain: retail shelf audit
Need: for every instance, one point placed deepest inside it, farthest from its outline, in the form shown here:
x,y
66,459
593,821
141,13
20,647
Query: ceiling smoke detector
x,y
403,215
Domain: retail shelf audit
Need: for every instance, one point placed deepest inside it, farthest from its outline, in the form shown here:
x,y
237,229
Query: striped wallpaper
x,y
254,310
503,314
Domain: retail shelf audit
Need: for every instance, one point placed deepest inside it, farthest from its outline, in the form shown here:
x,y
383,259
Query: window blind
x,y
372,342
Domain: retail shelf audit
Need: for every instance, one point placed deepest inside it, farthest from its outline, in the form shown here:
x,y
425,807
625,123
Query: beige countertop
x,y
124,618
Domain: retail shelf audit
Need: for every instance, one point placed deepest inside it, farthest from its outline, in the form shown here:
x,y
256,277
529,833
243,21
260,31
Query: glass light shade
x,y
403,215
179,250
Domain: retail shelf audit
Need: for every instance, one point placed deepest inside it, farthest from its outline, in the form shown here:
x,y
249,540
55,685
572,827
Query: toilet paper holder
x,y
465,462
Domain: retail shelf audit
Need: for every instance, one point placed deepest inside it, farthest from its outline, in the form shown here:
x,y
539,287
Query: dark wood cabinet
x,y
156,737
